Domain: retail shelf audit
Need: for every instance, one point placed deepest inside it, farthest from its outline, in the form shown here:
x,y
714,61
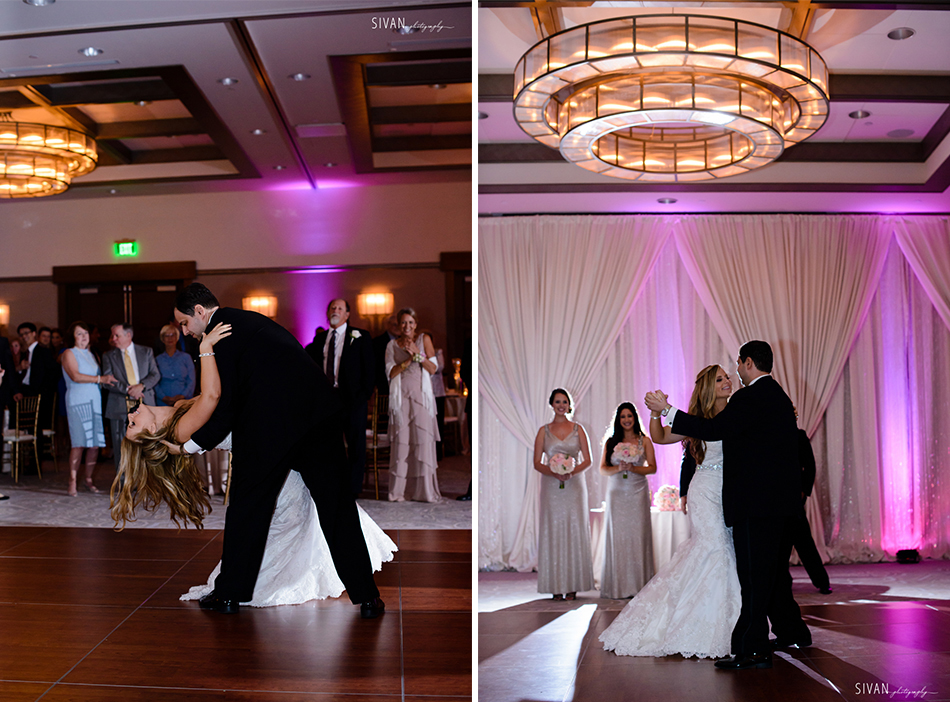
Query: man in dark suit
x,y
136,374
42,377
345,354
802,539
761,499
379,353
10,384
282,415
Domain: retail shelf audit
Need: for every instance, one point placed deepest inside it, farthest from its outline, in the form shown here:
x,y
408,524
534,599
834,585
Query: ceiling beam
x,y
413,114
141,129
423,143
149,89
386,74
188,153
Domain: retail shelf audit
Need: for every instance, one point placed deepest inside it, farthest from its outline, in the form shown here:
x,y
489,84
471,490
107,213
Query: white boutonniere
x,y
355,333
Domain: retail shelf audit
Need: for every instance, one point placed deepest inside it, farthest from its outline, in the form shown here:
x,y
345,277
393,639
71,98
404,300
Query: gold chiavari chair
x,y
377,436
23,433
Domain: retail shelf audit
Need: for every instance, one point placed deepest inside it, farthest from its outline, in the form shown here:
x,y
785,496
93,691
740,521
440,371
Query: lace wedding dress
x,y
297,566
691,606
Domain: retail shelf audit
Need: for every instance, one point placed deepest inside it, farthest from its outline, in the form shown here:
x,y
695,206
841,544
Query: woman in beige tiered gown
x,y
564,562
413,427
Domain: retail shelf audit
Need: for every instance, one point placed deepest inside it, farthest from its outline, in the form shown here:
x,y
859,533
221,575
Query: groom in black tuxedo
x,y
282,416
761,499
345,354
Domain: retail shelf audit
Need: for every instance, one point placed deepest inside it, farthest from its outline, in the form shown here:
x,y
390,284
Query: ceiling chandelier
x,y
39,159
671,98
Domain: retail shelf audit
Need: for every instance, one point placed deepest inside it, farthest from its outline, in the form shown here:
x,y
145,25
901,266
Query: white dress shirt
x,y
340,331
26,378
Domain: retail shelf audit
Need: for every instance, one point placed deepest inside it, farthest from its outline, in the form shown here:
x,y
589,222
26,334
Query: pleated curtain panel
x,y
857,309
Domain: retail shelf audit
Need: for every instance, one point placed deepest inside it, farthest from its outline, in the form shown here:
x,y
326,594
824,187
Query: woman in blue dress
x,y
83,403
177,369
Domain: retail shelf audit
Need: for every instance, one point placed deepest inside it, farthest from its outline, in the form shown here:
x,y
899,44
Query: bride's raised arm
x,y
201,411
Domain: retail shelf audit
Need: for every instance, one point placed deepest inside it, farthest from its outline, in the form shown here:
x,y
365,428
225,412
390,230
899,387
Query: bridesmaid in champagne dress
x,y
628,534
564,561
413,424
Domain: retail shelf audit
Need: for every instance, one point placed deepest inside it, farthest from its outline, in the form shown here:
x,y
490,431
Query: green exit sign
x,y
126,248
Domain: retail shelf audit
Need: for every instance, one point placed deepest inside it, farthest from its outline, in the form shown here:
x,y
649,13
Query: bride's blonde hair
x,y
149,474
702,404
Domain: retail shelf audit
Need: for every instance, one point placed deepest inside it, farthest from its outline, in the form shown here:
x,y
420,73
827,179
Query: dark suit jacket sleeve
x,y
367,362
807,458
11,380
687,470
724,425
152,375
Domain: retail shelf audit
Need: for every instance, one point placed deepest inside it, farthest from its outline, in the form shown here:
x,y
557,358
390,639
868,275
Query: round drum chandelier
x,y
671,98
37,160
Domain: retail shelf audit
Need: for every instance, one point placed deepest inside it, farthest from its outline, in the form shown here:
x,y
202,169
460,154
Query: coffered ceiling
x,y
896,159
246,94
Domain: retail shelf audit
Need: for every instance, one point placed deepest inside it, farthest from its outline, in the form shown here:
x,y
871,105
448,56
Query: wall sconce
x,y
374,306
265,304
4,315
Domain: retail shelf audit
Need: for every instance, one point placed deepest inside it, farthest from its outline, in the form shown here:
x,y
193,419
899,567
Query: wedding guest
x,y
57,343
561,455
20,358
413,430
627,459
83,403
692,604
42,372
9,380
802,539
380,344
345,355
45,336
136,374
177,369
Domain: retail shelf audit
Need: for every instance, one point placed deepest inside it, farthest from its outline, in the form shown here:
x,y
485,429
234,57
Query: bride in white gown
x,y
297,566
691,606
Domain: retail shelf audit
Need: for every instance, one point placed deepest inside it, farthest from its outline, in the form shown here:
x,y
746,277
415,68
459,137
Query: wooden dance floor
x,y
90,614
883,634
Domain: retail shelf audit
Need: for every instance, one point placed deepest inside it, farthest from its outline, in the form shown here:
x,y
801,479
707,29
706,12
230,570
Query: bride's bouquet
x,y
562,464
667,498
626,452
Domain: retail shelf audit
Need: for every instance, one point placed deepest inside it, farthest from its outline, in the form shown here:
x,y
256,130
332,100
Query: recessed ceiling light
x,y
300,76
407,30
900,133
482,115
667,200
901,33
90,51
330,165
859,114
279,168
113,191
438,86
39,3
258,132
142,103
228,81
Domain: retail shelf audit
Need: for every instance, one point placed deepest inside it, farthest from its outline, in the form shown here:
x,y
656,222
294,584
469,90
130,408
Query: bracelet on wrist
x,y
202,355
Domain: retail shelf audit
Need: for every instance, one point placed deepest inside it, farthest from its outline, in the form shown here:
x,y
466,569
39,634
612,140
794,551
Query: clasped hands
x,y
656,401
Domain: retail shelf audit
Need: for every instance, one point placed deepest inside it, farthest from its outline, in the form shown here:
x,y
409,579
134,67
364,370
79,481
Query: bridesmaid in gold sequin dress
x,y
564,561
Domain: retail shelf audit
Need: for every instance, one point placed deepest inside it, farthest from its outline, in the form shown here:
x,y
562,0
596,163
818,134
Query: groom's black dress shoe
x,y
372,609
755,660
219,604
788,643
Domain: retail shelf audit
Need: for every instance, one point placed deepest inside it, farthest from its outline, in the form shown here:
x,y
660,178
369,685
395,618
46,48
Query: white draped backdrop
x,y
857,309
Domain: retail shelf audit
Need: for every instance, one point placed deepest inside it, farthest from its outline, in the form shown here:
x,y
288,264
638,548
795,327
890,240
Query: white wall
x,y
339,226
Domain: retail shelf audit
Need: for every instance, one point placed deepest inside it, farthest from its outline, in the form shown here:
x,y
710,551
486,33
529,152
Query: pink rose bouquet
x,y
561,464
667,498
626,452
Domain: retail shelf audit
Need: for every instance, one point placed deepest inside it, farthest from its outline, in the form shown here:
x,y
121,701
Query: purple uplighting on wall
x,y
311,295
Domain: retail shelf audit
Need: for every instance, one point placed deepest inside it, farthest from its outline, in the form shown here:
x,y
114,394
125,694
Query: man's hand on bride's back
x,y
209,339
